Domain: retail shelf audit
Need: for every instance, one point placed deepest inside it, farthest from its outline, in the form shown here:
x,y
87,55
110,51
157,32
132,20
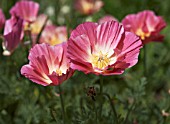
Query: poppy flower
x,y
27,10
146,25
88,7
103,49
2,19
48,65
13,34
54,35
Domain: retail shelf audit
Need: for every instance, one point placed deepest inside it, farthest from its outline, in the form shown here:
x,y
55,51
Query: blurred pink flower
x,y
87,7
54,35
12,34
107,18
146,25
103,49
2,19
48,64
27,10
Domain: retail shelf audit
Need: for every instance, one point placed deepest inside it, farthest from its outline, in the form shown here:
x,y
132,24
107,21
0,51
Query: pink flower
x,y
87,7
2,19
103,49
26,10
107,18
54,35
12,34
48,64
146,25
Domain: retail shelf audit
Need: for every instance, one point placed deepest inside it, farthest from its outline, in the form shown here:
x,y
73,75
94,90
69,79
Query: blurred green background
x,y
24,102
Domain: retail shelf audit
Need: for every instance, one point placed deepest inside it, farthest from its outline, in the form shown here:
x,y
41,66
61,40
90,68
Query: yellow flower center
x,y
27,26
86,6
54,40
142,35
35,28
59,72
101,60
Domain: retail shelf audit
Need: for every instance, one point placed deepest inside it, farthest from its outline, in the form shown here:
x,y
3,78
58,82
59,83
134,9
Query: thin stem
x,y
101,84
39,35
30,36
95,112
101,97
129,111
113,108
68,27
145,60
62,103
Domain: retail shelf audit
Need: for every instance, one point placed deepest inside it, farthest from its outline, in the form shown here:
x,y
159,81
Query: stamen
x,y
143,35
101,60
54,40
59,72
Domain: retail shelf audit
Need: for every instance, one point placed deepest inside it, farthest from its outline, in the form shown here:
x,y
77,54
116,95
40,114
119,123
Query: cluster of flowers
x,y
26,21
104,48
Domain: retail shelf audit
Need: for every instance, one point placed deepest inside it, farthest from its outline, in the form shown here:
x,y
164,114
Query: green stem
x,y
101,84
129,111
95,112
39,35
30,37
101,97
68,26
62,103
145,60
113,108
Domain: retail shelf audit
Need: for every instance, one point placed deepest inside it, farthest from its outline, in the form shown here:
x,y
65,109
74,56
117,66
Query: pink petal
x,y
87,28
129,47
109,34
83,46
27,10
35,76
2,19
12,33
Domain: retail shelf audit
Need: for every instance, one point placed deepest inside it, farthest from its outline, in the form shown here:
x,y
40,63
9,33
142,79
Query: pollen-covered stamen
x,y
59,72
101,60
142,34
27,27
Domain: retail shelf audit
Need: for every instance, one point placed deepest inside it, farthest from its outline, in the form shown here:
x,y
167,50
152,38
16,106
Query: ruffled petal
x,y
35,76
48,64
109,34
27,10
12,34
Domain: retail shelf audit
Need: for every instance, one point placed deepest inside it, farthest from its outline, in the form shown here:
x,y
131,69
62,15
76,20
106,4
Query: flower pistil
x,y
101,60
